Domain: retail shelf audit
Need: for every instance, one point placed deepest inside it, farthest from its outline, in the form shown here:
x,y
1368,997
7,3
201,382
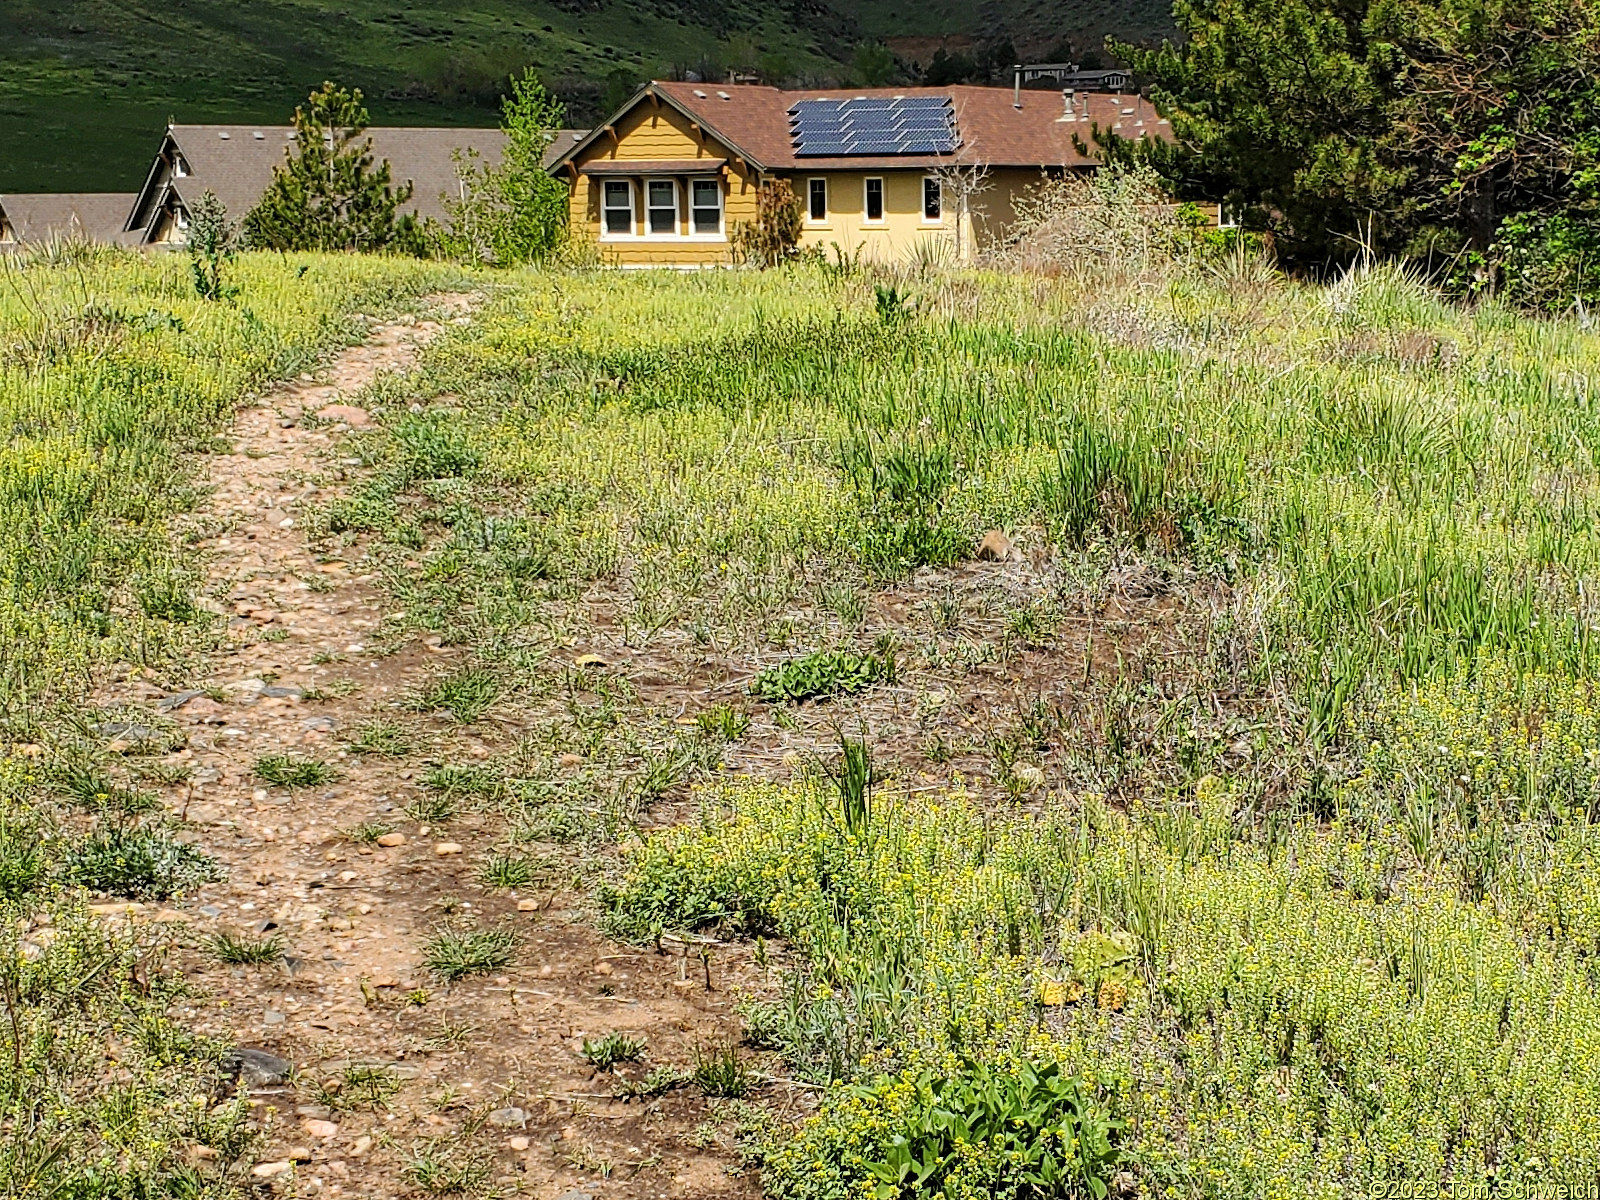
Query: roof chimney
x,y
1016,85
1070,96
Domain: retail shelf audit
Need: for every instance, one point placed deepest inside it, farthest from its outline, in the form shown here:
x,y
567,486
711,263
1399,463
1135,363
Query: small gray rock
x,y
273,1017
210,910
177,700
283,691
575,1194
256,1068
509,1118
320,724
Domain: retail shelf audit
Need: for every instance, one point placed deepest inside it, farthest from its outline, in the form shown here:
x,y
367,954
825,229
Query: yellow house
x,y
883,173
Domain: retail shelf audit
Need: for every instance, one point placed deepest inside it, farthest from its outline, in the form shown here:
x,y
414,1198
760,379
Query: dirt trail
x,y
487,1066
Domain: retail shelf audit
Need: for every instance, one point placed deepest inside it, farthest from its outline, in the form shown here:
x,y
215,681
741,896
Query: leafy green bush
x,y
978,1131
823,673
142,864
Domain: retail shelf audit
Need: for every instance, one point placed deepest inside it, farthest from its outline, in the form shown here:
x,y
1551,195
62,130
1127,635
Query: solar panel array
x,y
877,126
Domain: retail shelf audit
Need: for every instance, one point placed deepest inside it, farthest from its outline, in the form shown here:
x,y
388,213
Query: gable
x,y
652,131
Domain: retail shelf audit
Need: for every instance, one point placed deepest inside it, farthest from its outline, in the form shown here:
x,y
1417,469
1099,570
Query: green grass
x,y
454,953
381,738
292,771
86,89
240,950
508,871
1379,559
1247,831
463,695
720,1073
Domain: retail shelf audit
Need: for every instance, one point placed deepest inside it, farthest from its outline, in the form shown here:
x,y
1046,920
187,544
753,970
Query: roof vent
x,y
724,96
699,93
260,137
224,135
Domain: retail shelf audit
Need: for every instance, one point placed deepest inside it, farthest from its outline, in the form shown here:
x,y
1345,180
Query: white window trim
x,y
647,232
633,213
932,222
822,222
880,221
721,235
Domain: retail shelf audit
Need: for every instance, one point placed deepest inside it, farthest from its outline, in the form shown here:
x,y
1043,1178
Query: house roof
x,y
236,162
98,216
753,122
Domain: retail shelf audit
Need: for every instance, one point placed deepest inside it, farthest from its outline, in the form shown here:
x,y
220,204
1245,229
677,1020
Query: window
x,y
705,202
618,207
874,199
662,206
930,199
817,200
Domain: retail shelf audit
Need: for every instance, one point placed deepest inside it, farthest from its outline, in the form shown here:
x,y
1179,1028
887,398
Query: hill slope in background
x,y
86,86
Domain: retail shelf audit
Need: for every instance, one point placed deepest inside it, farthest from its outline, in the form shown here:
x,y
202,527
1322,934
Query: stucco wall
x,y
895,238
658,132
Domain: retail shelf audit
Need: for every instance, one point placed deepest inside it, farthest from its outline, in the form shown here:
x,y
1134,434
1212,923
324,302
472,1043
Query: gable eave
x,y
147,192
650,91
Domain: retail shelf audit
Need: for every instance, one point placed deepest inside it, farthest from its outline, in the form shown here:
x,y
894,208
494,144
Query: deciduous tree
x,y
512,212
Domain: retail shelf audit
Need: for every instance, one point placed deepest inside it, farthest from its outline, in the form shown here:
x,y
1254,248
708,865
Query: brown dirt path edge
x,y
489,1068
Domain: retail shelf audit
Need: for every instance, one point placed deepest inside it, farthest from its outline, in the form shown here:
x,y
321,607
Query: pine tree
x,y
328,194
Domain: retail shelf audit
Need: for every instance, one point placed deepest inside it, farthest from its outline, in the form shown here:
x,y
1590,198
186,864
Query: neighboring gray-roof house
x,y
39,216
236,162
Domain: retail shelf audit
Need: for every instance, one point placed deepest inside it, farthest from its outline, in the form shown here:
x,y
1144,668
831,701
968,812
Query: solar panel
x,y
874,125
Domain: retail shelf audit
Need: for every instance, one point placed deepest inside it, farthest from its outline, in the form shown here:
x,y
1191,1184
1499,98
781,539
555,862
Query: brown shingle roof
x,y
237,161
754,120
99,216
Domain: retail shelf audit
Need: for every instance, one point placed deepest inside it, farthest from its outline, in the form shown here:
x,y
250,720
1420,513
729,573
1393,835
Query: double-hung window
x,y
932,200
661,207
874,214
618,205
817,201
705,206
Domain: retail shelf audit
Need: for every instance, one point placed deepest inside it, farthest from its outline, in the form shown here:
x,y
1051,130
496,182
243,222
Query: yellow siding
x,y
654,131
658,132
903,233
994,208
897,238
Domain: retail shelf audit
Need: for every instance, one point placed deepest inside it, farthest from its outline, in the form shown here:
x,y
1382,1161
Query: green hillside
x,y
86,86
